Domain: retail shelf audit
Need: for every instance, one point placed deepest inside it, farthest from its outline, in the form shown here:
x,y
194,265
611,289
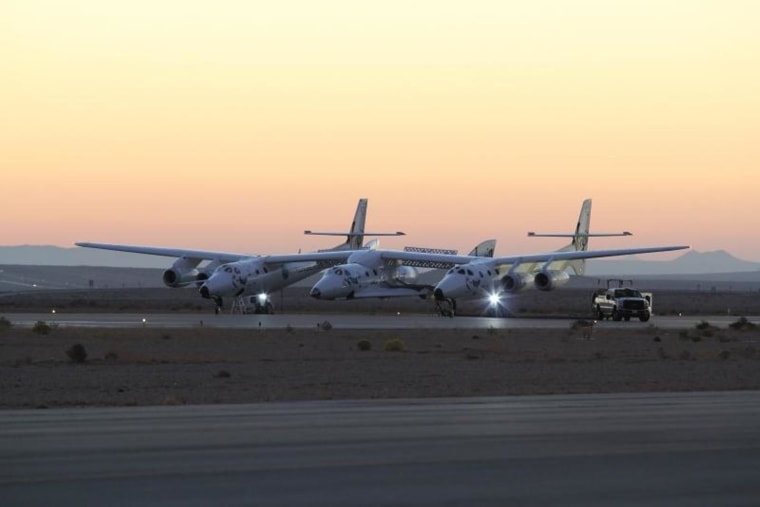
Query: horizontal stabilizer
x,y
351,234
588,235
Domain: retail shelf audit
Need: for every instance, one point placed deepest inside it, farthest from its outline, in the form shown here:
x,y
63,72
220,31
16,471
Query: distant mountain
x,y
57,256
692,262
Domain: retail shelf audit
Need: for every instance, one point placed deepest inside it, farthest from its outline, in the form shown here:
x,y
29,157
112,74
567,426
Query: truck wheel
x,y
627,318
644,317
616,315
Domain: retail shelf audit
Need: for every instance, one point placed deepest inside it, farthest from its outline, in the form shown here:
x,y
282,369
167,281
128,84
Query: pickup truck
x,y
622,303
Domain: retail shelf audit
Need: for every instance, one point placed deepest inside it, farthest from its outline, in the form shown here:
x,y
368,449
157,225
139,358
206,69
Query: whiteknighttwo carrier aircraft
x,y
234,275
469,276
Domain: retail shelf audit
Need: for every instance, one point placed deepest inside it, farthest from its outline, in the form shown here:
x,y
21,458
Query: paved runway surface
x,y
345,321
640,449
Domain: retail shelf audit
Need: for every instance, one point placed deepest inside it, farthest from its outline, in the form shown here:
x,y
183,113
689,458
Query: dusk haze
x,y
235,125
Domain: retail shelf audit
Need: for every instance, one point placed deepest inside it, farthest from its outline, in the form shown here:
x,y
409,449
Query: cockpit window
x,y
451,271
338,271
460,271
469,272
228,269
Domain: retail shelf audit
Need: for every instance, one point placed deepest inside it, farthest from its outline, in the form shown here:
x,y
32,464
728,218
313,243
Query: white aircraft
x,y
367,274
473,276
235,275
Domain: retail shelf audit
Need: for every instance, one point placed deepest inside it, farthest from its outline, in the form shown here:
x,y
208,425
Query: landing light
x,y
262,297
494,299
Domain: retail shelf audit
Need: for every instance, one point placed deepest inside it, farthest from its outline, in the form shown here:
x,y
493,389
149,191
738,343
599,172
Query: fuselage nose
x,y
438,295
205,293
315,293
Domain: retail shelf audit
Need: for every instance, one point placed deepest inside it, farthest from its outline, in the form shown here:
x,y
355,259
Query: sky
x,y
235,125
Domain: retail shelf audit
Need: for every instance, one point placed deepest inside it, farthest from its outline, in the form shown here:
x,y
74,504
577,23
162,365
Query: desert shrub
x,y
703,325
111,356
395,345
491,330
77,353
475,337
289,329
223,374
724,354
742,324
325,326
41,327
657,339
364,345
5,323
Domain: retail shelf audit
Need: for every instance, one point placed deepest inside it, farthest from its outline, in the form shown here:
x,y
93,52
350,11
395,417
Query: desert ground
x,y
126,367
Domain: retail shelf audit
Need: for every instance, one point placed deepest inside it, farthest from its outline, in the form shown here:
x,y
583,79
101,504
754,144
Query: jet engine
x,y
183,272
516,282
550,280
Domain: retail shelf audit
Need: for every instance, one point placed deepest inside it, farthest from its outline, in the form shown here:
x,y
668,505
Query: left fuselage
x,y
252,276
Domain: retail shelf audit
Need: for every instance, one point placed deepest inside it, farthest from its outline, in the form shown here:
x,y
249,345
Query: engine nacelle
x,y
405,274
516,282
183,272
550,280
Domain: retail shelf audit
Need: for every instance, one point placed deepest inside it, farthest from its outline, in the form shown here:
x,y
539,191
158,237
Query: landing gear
x,y
446,307
218,305
266,308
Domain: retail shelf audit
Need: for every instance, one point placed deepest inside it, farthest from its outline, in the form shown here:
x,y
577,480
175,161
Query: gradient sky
x,y
234,125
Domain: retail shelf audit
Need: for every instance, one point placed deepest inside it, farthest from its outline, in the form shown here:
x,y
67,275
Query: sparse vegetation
x,y
77,353
743,325
395,345
326,326
5,323
724,355
222,374
41,327
364,345
703,325
111,356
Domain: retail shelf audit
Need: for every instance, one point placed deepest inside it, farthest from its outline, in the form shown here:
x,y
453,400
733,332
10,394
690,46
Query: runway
x,y
636,449
344,321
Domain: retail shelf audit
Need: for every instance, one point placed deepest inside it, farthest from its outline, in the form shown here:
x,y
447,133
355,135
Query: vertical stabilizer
x,y
580,239
355,237
484,248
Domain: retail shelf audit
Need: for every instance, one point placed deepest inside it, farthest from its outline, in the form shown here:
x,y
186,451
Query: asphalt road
x,y
638,449
345,321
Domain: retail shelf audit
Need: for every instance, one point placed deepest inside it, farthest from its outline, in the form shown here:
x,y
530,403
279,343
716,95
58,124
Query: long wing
x,y
169,252
452,260
444,260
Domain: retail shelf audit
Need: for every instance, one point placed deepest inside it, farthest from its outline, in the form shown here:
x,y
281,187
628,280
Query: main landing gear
x,y
446,307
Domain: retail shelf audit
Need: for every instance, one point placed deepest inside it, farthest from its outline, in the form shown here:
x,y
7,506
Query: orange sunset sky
x,y
235,125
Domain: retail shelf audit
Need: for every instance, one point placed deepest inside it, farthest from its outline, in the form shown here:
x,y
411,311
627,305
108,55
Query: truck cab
x,y
622,303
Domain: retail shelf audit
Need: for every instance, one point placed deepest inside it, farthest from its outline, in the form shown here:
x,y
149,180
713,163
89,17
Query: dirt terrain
x,y
175,366
149,366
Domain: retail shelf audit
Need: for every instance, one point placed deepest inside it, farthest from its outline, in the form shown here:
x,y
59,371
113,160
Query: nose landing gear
x,y
446,307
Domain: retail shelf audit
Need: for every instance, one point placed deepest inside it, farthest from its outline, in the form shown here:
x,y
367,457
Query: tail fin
x,y
355,238
484,248
355,235
580,238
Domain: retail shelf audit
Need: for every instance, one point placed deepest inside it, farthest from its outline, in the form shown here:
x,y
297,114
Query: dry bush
x,y
395,345
41,327
77,353
364,345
